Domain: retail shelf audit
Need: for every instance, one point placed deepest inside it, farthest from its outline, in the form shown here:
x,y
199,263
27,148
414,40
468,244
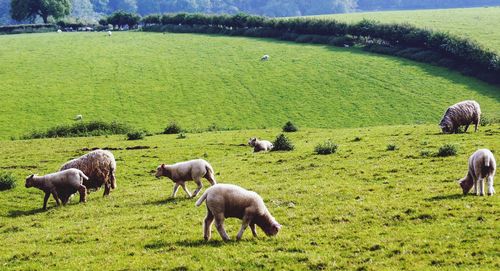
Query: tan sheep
x,y
99,166
260,145
482,165
70,181
462,113
182,172
227,200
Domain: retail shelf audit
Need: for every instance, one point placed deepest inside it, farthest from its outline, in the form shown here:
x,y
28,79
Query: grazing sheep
x,y
260,145
59,31
109,33
462,113
99,166
346,45
182,172
227,200
78,117
69,181
264,58
482,165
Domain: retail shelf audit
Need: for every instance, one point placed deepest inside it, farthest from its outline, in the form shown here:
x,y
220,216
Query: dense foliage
x,y
7,181
29,9
82,129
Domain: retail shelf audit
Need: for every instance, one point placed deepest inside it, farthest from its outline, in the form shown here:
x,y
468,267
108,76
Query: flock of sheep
x,y
97,168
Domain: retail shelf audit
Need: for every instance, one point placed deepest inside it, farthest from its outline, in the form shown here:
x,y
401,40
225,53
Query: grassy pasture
x,y
149,79
480,24
362,208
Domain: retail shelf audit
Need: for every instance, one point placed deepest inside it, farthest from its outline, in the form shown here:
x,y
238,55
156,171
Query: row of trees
x,y
92,10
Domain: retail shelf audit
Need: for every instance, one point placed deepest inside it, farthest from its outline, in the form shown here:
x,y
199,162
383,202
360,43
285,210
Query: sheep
x,y
69,181
78,117
227,200
99,166
109,33
59,31
182,172
264,58
482,165
260,145
462,113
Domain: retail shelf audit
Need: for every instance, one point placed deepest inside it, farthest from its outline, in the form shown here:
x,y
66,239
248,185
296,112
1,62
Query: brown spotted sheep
x,y
482,166
226,200
182,172
99,166
462,113
260,145
70,181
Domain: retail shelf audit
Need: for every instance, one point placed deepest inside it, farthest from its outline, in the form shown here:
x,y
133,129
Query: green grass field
x,y
148,80
480,24
362,208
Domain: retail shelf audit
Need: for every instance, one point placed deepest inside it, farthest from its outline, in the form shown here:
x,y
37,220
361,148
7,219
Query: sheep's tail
x,y
83,176
487,161
201,199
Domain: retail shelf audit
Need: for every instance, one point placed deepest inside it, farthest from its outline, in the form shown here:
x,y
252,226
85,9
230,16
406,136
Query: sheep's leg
x,y
83,193
107,188
466,127
56,197
186,190
45,199
475,125
254,230
244,224
219,224
200,186
474,189
176,187
481,186
491,190
207,225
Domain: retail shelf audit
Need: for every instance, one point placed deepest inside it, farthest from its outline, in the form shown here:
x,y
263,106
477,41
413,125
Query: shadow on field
x,y
18,213
200,243
167,201
446,197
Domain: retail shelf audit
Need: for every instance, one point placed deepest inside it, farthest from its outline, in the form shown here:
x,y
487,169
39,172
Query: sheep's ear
x,y
162,165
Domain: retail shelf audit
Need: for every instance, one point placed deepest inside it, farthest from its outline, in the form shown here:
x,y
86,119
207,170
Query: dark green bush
x,y
391,147
7,181
326,147
289,127
282,143
172,128
135,135
82,129
447,150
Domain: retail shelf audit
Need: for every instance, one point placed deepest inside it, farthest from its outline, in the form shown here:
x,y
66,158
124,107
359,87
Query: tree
x,y
29,9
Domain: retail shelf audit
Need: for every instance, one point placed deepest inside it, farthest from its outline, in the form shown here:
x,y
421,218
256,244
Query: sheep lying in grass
x,y
260,145
70,181
99,166
462,113
78,117
226,200
182,172
264,58
482,165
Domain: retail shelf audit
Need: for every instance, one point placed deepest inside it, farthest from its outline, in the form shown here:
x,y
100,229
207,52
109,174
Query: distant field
x,y
363,208
480,24
149,79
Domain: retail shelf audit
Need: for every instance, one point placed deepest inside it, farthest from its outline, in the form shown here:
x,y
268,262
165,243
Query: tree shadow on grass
x,y
446,197
18,213
167,201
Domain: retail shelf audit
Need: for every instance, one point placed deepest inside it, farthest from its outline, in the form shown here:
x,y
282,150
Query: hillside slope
x,y
148,80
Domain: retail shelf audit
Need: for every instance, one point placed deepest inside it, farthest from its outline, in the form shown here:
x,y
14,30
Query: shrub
x,y
391,147
357,139
135,135
486,120
282,143
447,150
289,127
326,147
172,128
181,136
81,129
425,153
7,181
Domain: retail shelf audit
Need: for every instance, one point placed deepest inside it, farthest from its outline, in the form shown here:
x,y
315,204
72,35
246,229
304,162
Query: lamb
x,y
99,166
462,113
182,172
78,117
59,31
264,58
69,180
109,33
260,145
226,200
482,165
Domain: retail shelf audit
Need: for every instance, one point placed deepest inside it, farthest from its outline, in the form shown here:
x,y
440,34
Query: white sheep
x,y
260,145
109,33
59,31
264,58
482,165
65,182
227,200
78,117
182,172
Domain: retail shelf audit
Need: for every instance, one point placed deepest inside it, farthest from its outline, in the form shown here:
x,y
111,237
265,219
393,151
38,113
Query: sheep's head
x,y
252,141
273,229
446,129
29,181
466,185
159,171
